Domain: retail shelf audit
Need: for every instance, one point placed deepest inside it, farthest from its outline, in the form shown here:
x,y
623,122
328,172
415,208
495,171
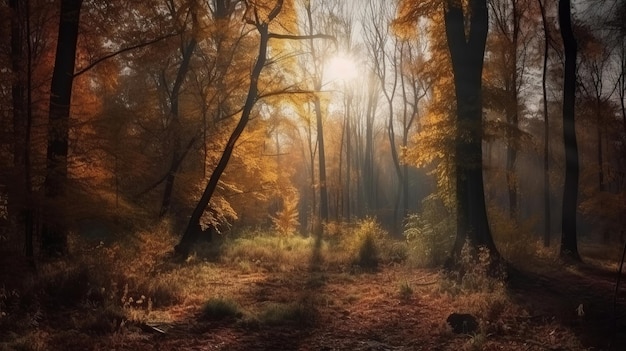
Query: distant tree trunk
x,y
321,161
569,244
467,63
369,184
546,135
323,190
54,234
513,117
599,130
348,155
194,228
175,126
622,81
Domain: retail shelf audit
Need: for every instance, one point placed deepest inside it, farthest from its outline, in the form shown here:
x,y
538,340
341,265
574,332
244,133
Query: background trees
x,y
151,109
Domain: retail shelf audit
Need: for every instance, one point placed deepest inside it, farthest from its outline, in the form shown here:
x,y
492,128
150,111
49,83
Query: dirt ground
x,y
394,308
366,311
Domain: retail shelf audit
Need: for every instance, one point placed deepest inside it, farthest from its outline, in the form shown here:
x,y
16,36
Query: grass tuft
x,y
295,313
218,309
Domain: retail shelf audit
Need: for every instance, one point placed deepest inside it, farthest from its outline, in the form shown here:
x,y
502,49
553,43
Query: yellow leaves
x,y
409,14
286,220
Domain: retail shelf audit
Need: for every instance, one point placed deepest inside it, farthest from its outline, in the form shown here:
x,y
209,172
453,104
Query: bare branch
x,y
303,37
121,51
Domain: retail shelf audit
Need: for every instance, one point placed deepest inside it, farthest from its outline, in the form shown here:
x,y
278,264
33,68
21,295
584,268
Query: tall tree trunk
x,y
20,197
54,234
599,127
368,162
569,244
194,228
513,117
175,126
348,155
321,160
467,63
546,135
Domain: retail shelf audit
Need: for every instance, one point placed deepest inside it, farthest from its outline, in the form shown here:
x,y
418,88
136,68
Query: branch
x,y
276,10
121,51
176,164
302,37
286,92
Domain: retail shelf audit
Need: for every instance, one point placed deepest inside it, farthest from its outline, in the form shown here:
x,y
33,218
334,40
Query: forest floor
x,y
332,308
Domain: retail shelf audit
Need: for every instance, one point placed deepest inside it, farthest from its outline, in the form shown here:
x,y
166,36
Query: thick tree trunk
x,y
467,63
569,244
54,235
194,229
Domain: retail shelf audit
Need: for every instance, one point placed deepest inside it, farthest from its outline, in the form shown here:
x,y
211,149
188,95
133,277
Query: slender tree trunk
x,y
513,118
323,191
368,163
467,63
54,235
546,135
348,155
599,126
175,126
391,134
314,215
321,160
569,244
621,91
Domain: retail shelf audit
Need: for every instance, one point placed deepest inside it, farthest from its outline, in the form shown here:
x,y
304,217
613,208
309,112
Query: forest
x,y
382,175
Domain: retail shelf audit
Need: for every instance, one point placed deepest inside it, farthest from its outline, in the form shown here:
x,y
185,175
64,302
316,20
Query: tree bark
x,y
54,235
569,244
467,63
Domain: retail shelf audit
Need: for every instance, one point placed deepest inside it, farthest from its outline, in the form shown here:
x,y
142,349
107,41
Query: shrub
x,y
514,238
220,309
162,290
66,287
271,252
405,291
367,257
286,220
429,234
368,245
475,272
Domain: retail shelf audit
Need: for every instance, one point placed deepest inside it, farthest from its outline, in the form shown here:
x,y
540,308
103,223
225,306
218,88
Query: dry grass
x,y
267,285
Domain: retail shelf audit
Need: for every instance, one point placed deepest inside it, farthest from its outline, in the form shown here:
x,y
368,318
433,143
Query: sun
x,y
341,68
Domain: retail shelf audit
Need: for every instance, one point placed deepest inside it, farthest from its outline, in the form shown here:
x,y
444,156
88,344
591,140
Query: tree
x,y
546,128
569,244
259,15
384,50
317,106
467,53
507,52
54,235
